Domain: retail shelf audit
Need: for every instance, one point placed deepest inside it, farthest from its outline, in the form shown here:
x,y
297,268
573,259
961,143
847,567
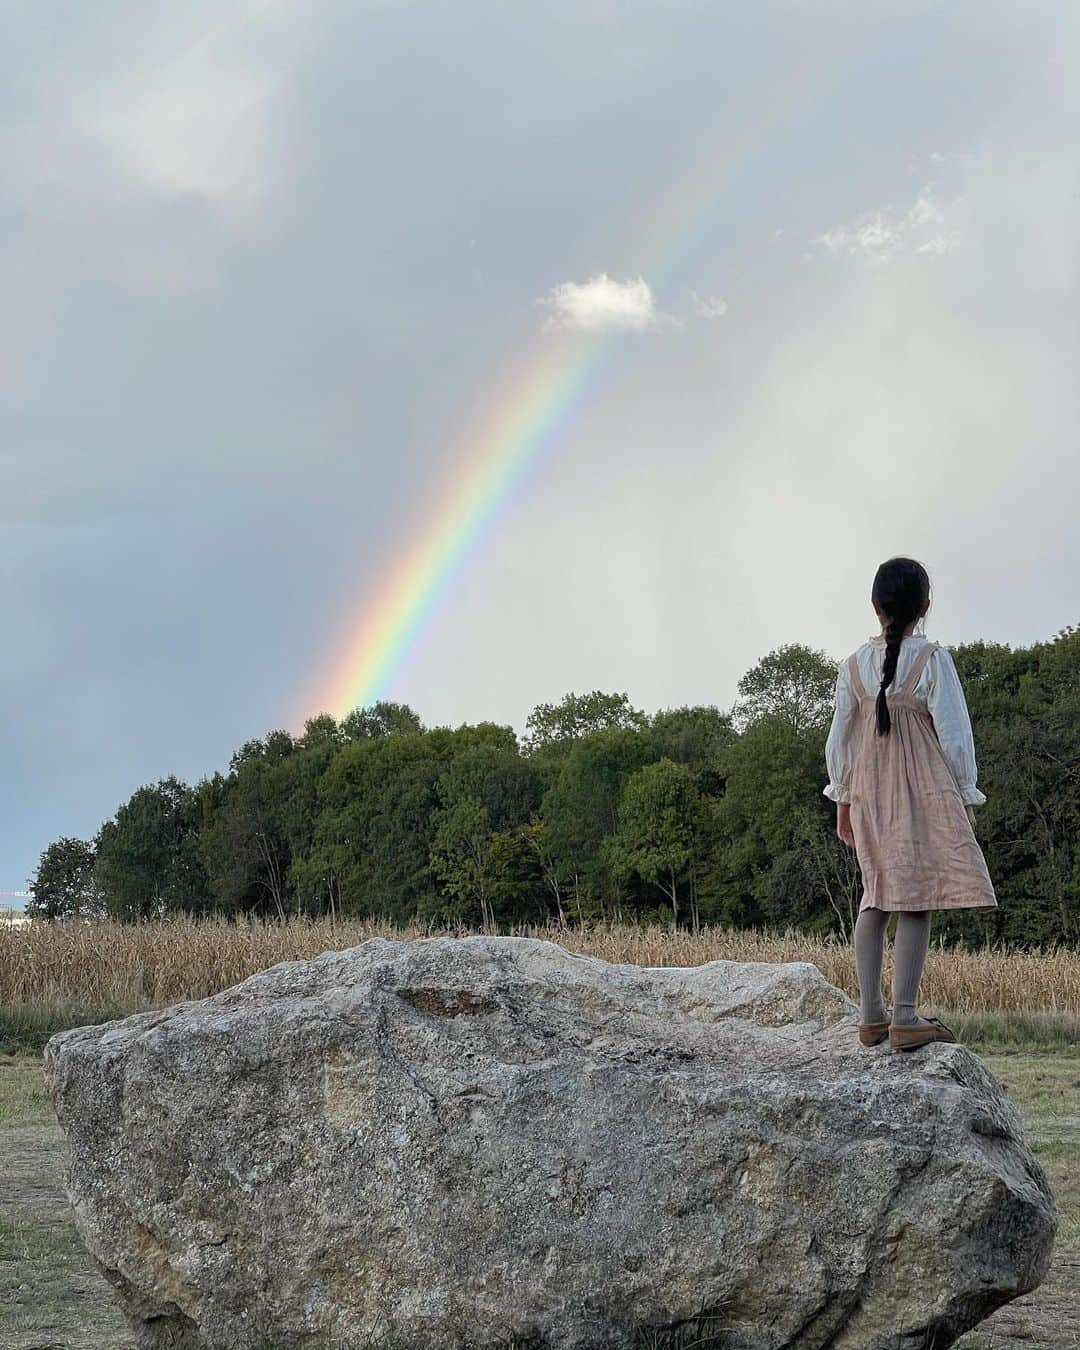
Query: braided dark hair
x,y
901,594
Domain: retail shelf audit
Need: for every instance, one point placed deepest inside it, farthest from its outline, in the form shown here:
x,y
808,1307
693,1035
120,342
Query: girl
x,y
901,763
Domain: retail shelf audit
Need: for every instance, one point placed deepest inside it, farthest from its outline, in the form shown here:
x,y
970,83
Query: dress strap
x,y
856,678
924,654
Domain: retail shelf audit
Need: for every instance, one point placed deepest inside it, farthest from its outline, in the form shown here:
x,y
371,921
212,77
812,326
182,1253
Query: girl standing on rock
x,y
901,764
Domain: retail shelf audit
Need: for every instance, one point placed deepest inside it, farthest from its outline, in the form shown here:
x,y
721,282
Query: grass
x,y
23,1097
24,1028
1019,1033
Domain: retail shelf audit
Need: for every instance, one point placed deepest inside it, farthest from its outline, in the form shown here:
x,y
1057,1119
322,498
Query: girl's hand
x,y
843,823
970,815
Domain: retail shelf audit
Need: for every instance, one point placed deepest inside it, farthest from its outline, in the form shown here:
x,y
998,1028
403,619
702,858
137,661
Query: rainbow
x,y
542,396
543,390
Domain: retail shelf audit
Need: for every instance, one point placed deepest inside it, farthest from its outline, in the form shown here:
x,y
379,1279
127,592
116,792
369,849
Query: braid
x,y
894,633
901,591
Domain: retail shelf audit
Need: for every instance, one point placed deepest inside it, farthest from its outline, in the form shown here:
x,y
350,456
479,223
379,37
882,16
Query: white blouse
x,y
938,689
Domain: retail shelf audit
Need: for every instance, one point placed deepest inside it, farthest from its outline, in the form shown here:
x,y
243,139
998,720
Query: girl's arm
x,y
947,706
838,745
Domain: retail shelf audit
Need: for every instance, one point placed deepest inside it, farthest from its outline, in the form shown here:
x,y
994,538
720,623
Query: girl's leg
x,y
869,949
909,956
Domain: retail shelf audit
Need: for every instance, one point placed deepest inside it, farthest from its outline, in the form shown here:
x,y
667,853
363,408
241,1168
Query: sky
x,y
271,269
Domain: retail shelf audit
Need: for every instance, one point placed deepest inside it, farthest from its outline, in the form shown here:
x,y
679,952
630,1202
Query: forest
x,y
600,812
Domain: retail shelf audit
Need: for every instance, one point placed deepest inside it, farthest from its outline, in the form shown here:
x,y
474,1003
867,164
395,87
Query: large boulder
x,y
490,1142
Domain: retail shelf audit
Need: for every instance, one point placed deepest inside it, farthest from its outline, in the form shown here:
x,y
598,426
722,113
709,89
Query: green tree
x,y
322,730
793,683
276,746
535,838
1025,710
487,795
556,726
694,736
661,817
378,803
63,886
771,782
381,719
463,860
495,776
581,808
146,858
243,849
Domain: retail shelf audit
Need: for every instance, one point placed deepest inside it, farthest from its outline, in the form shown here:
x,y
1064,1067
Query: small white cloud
x,y
879,236
709,306
872,237
924,212
939,244
604,305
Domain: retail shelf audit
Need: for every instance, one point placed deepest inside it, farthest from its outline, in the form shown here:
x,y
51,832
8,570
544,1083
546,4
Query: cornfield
x,y
103,964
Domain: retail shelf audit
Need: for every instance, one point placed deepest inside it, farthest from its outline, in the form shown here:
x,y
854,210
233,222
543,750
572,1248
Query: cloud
x,y
709,306
193,128
194,123
881,235
604,305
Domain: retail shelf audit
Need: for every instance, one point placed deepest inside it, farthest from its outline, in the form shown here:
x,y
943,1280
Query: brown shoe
x,y
873,1033
911,1037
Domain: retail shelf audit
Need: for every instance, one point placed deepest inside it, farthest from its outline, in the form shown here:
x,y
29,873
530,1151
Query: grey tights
x,y
910,946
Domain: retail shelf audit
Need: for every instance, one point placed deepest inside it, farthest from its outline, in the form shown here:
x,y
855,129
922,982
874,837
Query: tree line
x,y
686,816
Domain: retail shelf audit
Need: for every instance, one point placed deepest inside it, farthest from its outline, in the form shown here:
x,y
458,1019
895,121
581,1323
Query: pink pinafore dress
x,y
913,839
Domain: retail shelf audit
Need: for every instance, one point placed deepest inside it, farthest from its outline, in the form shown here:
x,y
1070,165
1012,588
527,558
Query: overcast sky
x,y
264,265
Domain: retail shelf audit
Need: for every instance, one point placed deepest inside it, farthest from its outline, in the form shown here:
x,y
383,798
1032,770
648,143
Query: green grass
x,y
1023,1033
24,1028
27,1237
23,1098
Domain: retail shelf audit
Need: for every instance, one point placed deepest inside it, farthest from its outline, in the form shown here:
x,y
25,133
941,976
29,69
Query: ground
x,y
52,1297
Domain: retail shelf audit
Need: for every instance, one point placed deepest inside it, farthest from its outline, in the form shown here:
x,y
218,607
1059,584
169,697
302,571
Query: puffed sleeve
x,y
946,704
838,745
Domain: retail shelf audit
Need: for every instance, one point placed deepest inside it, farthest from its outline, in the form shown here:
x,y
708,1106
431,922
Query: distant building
x,y
13,916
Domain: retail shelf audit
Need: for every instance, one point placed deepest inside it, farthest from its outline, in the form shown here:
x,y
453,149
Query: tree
x,y
377,818
381,719
581,808
276,746
534,836
146,857
772,778
487,793
1025,710
496,776
321,730
793,683
63,886
697,737
694,736
660,819
243,850
461,857
558,725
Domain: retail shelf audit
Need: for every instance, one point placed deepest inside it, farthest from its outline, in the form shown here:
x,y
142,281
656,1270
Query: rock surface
x,y
490,1142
